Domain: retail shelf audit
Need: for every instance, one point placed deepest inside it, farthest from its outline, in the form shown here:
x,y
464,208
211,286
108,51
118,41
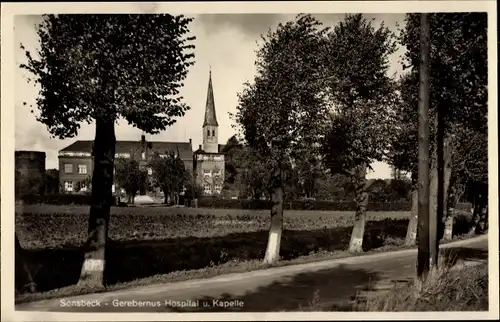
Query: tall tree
x,y
281,111
458,86
362,94
97,69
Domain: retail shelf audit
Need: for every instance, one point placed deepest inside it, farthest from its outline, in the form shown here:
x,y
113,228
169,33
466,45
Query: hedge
x,y
67,199
59,199
308,205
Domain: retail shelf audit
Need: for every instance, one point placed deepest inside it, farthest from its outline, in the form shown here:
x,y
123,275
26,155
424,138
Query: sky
x,y
226,43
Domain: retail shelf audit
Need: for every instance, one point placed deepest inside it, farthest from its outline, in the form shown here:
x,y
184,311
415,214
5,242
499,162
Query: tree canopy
x,y
361,93
281,111
109,66
129,176
458,88
169,172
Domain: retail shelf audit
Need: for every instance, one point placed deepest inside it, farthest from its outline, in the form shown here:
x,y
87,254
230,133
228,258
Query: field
x,y
146,242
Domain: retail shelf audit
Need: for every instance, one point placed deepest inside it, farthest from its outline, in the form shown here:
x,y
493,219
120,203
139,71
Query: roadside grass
x,y
145,262
448,288
465,289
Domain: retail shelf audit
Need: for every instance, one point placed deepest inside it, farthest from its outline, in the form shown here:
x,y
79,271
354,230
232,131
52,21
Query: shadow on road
x,y
329,286
334,288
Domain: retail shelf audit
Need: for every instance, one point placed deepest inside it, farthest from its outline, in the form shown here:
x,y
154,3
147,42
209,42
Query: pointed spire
x,y
210,116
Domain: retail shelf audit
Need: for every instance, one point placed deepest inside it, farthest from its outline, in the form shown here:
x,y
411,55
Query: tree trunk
x,y
443,193
455,195
361,197
276,228
483,220
483,216
25,279
92,273
433,215
165,196
475,217
479,215
411,233
423,151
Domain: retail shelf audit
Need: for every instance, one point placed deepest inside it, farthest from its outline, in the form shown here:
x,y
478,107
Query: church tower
x,y
210,125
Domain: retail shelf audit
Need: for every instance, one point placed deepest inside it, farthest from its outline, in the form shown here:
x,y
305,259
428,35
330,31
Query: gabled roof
x,y
210,116
184,148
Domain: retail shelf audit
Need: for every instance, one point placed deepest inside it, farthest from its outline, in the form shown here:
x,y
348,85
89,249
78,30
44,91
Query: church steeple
x,y
210,116
210,125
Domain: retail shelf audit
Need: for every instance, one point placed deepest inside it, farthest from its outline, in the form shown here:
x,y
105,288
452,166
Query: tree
x,y
280,113
403,147
306,174
362,95
129,177
169,174
336,187
51,181
99,68
244,170
458,88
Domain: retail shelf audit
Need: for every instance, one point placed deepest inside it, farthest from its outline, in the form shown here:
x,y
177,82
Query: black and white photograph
x,y
235,164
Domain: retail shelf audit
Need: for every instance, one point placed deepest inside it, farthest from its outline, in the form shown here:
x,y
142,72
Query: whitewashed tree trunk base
x,y
355,245
448,228
273,246
92,273
411,239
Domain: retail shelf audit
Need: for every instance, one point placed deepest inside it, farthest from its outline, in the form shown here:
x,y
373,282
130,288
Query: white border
x,y
7,147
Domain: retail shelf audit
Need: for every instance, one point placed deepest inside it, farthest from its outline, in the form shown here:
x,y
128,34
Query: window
x,y
217,173
82,169
207,189
150,171
213,132
68,186
83,186
218,188
206,173
208,132
68,168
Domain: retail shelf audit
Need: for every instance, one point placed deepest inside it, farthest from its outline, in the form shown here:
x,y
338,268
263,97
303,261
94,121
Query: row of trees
x,y
307,179
324,96
321,99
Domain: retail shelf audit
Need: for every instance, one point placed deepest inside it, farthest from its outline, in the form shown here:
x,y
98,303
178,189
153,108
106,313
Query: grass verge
x,y
464,289
446,289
